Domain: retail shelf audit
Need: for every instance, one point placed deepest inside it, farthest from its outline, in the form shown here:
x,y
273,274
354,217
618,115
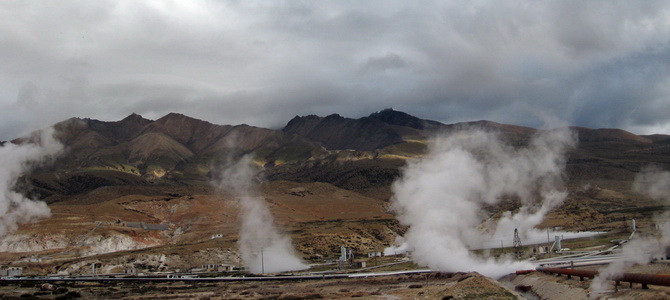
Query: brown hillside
x,y
157,146
195,134
335,132
609,134
327,181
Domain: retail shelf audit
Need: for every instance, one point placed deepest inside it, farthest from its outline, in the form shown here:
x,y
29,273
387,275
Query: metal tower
x,y
517,244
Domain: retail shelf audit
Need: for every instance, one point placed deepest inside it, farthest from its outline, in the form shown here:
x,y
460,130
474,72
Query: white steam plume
x,y
441,196
655,183
16,160
262,247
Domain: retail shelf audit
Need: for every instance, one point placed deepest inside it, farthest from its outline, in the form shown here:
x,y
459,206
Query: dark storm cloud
x,y
591,63
629,92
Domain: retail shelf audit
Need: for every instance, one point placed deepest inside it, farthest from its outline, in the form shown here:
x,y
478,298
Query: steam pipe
x,y
644,279
570,272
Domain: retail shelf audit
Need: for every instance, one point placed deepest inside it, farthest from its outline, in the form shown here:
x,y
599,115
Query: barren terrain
x,y
137,196
422,286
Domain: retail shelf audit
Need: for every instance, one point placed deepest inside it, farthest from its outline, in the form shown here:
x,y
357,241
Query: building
x,y
218,268
6,271
226,268
147,226
375,254
33,259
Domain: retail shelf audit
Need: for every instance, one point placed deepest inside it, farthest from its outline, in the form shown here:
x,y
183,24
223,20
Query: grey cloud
x,y
596,64
630,91
389,61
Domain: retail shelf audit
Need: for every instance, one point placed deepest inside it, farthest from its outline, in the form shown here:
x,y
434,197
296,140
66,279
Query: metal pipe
x,y
570,272
644,279
213,279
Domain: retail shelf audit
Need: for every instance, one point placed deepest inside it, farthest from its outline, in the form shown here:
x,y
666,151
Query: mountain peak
x,y
334,116
394,117
175,116
399,118
337,132
177,121
133,117
193,132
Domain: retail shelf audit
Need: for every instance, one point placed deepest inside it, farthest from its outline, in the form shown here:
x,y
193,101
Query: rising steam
x,y
262,247
441,196
655,183
16,160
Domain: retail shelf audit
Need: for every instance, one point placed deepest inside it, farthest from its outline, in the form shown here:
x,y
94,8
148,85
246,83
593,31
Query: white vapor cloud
x,y
262,247
594,63
441,196
653,182
15,161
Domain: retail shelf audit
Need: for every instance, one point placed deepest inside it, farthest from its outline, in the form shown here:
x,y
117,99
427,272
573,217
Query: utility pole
x,y
262,262
548,240
517,244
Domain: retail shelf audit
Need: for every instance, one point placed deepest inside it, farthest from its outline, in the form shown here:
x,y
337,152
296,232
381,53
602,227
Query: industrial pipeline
x,y
644,279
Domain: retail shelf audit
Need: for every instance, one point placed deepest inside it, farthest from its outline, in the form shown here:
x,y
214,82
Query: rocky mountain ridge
x,y
327,181
357,154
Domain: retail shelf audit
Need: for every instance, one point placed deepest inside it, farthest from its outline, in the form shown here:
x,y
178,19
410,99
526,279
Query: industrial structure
x,y
644,279
518,247
147,226
6,271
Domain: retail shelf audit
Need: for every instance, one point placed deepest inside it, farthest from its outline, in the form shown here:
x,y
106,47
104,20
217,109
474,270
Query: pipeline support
x,y
643,279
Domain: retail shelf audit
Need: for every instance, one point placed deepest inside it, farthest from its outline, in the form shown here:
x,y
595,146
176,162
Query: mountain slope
x,y
362,154
335,132
327,181
174,149
194,134
394,117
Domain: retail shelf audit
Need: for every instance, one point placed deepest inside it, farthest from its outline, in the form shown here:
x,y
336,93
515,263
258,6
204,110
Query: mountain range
x,y
327,182
362,154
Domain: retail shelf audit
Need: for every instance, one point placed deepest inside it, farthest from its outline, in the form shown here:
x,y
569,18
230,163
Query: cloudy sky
x,y
590,63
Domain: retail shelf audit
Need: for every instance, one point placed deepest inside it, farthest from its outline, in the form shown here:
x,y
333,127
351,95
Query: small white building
x,y
375,254
6,271
33,259
218,268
